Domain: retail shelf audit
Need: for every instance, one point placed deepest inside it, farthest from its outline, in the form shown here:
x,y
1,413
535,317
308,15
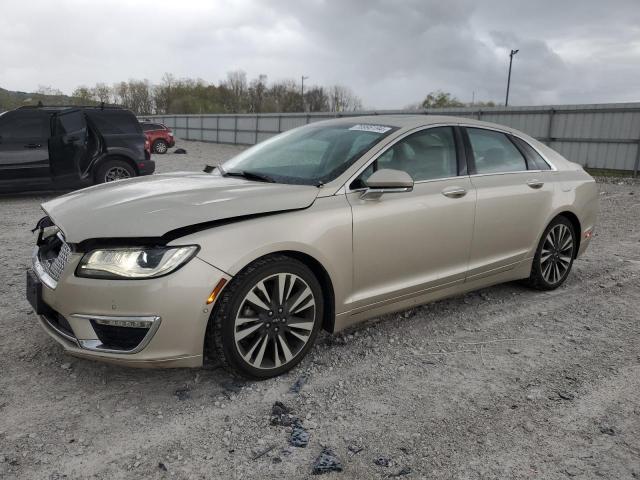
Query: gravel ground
x,y
500,383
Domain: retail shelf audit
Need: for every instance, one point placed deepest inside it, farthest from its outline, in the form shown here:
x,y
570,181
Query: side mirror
x,y
387,180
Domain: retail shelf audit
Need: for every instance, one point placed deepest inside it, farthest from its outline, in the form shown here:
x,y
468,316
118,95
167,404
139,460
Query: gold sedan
x,y
320,227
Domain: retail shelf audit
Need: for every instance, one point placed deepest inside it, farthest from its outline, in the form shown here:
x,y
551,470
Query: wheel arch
x,y
328,322
577,228
321,273
114,156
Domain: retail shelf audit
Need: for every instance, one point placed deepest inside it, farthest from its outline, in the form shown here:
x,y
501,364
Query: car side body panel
x,y
322,231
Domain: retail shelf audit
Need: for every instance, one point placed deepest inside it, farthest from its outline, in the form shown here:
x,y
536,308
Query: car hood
x,y
156,205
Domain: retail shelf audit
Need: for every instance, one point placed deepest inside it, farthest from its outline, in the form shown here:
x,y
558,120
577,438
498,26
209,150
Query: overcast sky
x,y
391,53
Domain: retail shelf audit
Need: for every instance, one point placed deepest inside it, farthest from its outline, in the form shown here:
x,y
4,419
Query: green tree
x,y
440,99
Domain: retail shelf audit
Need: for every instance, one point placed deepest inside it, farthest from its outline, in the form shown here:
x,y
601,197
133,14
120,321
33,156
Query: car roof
x,y
416,121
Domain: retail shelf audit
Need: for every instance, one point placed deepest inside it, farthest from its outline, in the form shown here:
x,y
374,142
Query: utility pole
x,y
302,91
506,100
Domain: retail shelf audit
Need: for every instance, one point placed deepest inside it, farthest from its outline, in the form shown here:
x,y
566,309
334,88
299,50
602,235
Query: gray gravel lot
x,y
501,383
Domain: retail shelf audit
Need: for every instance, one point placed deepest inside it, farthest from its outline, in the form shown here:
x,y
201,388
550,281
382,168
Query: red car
x,y
159,136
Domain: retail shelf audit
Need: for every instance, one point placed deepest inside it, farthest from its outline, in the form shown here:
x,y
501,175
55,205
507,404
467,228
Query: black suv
x,y
69,147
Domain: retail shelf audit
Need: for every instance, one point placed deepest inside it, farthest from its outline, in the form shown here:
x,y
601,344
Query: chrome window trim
x,y
95,344
506,173
346,189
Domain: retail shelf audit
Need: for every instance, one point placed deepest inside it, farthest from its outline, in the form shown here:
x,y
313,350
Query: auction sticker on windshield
x,y
371,128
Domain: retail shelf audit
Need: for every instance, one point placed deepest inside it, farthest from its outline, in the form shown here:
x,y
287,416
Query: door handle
x,y
32,145
535,183
454,192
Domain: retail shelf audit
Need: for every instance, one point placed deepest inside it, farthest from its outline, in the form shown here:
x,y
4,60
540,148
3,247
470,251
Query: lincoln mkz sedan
x,y
320,227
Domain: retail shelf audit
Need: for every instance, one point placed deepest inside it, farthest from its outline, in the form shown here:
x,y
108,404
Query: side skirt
x,y
521,270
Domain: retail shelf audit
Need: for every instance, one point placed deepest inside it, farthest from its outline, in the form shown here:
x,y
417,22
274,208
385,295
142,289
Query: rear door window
x,y
535,160
493,152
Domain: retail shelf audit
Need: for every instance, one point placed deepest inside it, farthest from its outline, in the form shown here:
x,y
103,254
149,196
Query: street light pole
x,y
513,52
302,91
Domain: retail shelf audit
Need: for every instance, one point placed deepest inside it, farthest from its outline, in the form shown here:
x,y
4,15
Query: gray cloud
x,y
390,53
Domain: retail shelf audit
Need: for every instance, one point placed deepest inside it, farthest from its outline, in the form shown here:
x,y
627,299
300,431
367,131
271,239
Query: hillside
x,y
10,99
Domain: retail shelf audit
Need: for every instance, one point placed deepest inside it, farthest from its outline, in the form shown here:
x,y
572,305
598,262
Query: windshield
x,y
309,155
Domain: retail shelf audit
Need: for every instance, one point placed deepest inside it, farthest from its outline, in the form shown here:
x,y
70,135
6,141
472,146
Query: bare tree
x,y
82,95
316,99
102,92
257,91
236,84
342,99
48,90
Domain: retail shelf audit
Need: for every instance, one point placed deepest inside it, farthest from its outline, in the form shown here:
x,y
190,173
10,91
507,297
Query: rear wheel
x,y
554,256
267,318
160,146
112,170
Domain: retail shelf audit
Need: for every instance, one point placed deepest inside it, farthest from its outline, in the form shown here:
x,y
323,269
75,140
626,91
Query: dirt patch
x,y
501,383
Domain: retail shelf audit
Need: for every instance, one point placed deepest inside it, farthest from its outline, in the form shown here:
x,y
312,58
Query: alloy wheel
x,y
116,173
556,253
160,147
275,321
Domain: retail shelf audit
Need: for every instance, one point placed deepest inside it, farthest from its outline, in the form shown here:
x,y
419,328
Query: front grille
x,y
53,256
56,267
119,338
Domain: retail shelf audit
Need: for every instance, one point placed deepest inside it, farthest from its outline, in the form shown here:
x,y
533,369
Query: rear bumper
x,y
147,167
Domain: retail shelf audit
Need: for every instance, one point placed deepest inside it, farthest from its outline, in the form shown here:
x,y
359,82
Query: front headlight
x,y
134,263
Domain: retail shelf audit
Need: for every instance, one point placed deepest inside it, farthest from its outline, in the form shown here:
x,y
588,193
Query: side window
x,y
426,155
494,152
536,162
147,127
24,126
115,121
69,122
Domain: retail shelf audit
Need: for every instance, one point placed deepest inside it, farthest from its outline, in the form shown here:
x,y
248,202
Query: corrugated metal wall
x,y
597,136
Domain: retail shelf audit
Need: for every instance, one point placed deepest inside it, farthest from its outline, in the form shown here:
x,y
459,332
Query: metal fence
x,y
596,136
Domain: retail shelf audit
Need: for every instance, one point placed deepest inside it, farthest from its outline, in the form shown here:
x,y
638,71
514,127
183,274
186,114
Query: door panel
x,y
68,146
510,215
23,145
407,242
514,198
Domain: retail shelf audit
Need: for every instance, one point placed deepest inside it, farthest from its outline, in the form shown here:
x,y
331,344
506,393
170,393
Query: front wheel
x,y
267,318
554,256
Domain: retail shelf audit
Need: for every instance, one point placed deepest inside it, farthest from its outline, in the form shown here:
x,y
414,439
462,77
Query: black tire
x,y
160,146
105,171
540,278
220,340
